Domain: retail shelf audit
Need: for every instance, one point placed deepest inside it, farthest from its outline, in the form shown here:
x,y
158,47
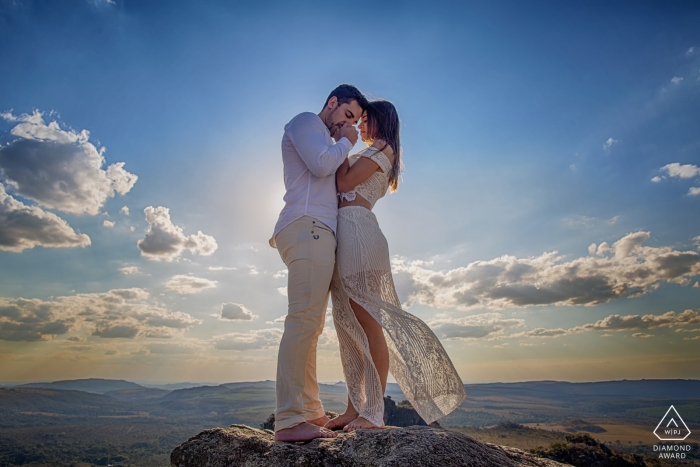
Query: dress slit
x,y
417,359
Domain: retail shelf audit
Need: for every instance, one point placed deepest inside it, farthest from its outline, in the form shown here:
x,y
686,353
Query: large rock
x,y
424,446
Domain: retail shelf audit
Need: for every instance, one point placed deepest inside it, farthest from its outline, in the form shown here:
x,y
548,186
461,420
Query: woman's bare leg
x,y
380,356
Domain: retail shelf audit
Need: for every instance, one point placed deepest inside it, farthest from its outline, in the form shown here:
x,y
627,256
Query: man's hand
x,y
350,132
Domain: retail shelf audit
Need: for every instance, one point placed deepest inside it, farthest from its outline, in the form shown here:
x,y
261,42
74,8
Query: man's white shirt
x,y
311,159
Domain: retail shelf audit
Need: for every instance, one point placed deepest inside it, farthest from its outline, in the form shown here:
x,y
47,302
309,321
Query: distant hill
x,y
93,385
649,388
16,404
137,394
175,386
258,384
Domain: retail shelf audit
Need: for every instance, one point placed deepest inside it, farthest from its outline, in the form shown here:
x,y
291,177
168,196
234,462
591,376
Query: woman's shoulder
x,y
381,146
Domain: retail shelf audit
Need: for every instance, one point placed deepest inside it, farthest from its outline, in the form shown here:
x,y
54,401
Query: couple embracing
x,y
330,240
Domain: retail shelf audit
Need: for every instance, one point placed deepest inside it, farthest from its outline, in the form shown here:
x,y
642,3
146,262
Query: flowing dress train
x,y
417,359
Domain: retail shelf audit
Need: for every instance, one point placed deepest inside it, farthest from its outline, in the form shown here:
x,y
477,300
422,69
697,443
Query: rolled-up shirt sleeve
x,y
308,136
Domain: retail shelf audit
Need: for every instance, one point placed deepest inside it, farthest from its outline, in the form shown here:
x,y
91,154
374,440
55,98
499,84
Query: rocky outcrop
x,y
402,414
424,446
582,450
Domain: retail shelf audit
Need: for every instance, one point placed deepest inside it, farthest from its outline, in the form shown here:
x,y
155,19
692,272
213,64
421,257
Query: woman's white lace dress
x,y
417,360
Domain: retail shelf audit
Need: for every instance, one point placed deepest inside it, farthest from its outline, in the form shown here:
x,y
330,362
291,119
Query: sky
x,y
546,226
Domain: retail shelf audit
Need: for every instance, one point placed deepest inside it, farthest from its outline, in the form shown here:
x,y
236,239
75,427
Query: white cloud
x,y
220,268
60,169
108,224
165,241
690,51
282,290
118,313
676,80
694,191
642,335
23,227
189,284
485,325
620,323
124,210
608,144
681,170
278,320
130,270
7,116
279,274
627,269
258,339
657,179
236,311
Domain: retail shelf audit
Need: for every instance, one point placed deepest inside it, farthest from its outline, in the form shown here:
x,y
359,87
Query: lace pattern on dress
x,y
377,184
417,360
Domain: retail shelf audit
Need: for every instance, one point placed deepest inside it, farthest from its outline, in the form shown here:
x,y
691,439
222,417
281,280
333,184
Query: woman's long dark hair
x,y
383,123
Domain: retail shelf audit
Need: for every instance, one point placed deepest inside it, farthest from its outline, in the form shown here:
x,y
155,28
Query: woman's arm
x,y
347,178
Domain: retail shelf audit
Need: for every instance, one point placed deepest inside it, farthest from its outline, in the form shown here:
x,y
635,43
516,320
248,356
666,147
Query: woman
x,y
376,336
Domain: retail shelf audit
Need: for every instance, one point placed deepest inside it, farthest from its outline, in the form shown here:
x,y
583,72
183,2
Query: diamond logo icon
x,y
672,427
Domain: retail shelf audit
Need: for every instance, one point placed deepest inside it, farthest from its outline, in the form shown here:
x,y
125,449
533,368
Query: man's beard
x,y
333,128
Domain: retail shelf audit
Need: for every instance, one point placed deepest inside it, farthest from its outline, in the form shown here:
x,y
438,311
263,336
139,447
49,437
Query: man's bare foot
x,y
321,421
303,432
360,424
341,420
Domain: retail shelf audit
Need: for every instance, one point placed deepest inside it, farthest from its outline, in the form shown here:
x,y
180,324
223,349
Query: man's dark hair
x,y
347,93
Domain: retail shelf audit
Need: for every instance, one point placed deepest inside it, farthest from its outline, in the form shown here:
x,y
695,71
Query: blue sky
x,y
546,227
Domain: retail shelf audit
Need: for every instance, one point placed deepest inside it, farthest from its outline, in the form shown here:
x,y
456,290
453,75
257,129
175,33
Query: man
x,y
305,238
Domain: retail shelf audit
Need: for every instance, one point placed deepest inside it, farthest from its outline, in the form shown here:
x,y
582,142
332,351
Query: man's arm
x,y
307,134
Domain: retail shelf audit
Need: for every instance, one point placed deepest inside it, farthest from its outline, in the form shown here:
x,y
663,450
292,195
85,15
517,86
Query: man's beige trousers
x,y
307,247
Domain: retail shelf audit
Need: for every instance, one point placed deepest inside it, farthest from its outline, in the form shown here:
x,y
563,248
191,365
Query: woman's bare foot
x,y
303,432
341,420
360,424
321,421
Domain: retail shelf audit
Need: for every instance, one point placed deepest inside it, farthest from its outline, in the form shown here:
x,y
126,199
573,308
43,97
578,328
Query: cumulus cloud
x,y
165,241
485,325
625,269
258,339
622,323
677,80
220,268
280,274
694,191
124,210
60,169
23,227
189,284
235,311
108,224
282,291
609,143
130,270
678,170
118,313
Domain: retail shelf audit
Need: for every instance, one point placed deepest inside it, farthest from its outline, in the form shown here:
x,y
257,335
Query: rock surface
x,y
240,445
